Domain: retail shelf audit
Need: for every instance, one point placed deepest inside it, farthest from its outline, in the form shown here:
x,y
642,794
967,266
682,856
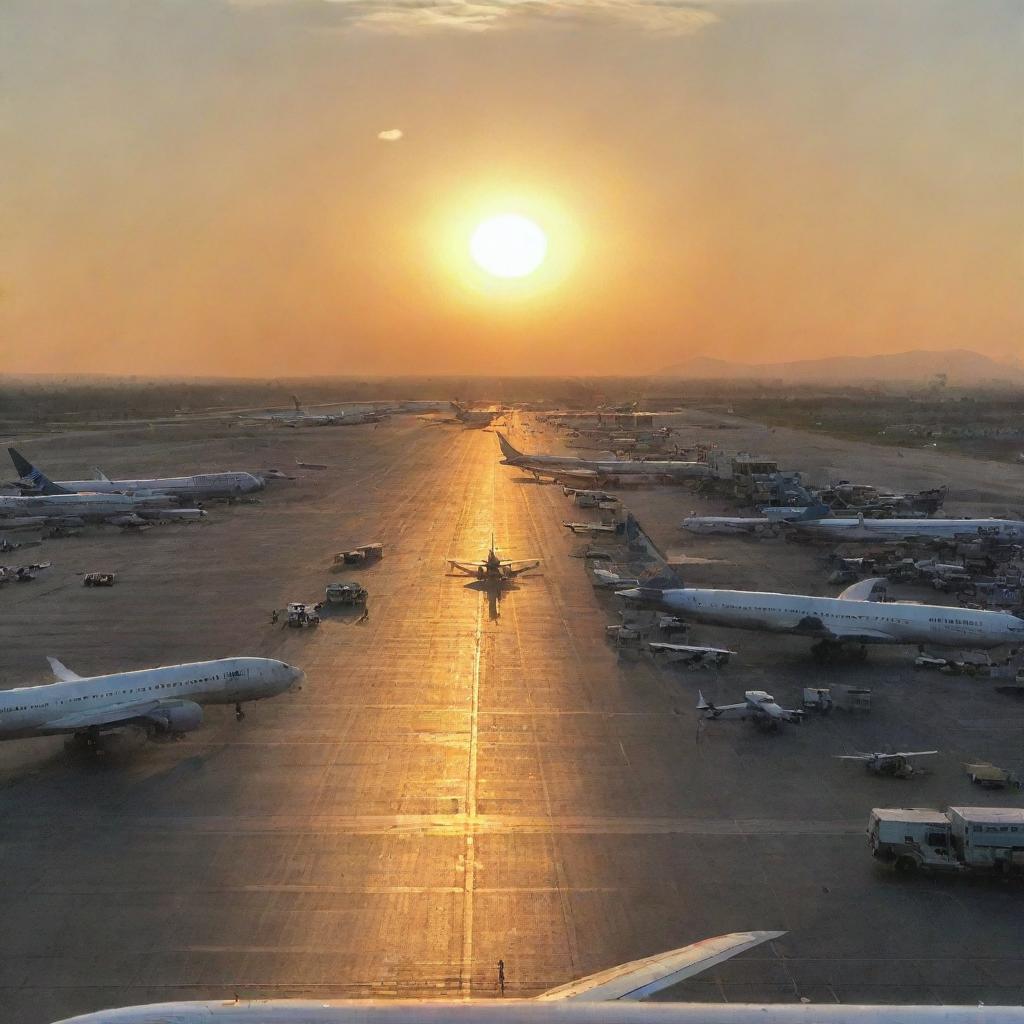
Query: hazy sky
x,y
198,186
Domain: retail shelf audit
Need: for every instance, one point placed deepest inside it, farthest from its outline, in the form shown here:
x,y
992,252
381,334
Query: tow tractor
x,y
301,614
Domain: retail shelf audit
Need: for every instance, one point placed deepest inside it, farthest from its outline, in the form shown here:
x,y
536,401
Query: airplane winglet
x,y
61,672
640,979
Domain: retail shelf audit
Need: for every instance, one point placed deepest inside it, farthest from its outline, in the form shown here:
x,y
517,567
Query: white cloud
x,y
662,17
390,134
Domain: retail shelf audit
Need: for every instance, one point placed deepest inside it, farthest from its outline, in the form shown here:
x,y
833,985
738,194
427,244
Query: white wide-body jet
x,y
898,763
77,509
757,705
769,523
604,470
493,568
34,481
616,996
167,700
850,618
868,530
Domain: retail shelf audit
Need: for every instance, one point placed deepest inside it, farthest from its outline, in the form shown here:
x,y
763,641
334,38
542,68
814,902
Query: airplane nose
x,y
296,677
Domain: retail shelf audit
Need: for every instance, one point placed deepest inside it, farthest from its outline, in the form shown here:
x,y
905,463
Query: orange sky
x,y
197,186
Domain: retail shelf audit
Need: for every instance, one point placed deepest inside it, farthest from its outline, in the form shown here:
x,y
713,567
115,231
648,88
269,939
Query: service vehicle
x,y
959,839
346,593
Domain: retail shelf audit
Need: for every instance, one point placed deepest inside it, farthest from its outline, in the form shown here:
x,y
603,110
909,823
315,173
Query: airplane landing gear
x,y
239,713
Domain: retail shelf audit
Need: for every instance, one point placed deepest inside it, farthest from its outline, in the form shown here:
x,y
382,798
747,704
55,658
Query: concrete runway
x,y
460,780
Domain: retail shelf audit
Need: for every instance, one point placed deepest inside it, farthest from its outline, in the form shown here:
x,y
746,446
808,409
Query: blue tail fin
x,y
815,512
33,479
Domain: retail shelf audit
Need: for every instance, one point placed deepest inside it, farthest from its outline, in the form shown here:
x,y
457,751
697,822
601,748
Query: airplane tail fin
x,y
32,478
819,511
702,704
100,475
506,448
295,399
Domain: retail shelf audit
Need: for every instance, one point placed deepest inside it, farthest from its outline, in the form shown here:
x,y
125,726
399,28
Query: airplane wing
x,y
470,568
913,753
513,562
642,978
61,672
112,714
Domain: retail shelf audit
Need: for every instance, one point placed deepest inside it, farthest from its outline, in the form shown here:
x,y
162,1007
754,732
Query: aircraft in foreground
x,y
852,618
34,481
159,701
757,704
602,471
898,764
615,996
868,530
494,569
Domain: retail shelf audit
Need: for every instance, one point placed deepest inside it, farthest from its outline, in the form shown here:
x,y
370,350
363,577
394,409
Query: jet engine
x,y
182,717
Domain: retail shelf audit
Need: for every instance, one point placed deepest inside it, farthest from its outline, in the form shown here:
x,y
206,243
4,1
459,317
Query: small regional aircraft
x,y
609,580
852,618
159,701
494,569
618,995
757,704
34,481
896,764
602,471
689,655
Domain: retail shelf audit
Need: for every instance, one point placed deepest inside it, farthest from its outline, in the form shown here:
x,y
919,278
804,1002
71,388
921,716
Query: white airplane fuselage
x,y
202,485
85,506
838,618
530,1011
40,710
900,529
728,524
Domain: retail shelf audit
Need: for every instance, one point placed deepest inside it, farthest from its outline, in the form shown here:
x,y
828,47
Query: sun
x,y
509,245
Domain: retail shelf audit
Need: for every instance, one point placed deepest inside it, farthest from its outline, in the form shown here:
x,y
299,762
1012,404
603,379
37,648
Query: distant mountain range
x,y
961,366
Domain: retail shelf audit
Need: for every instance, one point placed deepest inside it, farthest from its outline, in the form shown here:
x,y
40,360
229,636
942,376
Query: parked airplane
x,y
297,417
689,655
861,529
477,418
601,471
204,485
76,509
612,580
896,764
758,526
494,569
757,705
850,618
165,700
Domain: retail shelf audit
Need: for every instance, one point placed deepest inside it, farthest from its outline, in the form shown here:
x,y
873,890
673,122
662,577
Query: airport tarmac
x,y
460,780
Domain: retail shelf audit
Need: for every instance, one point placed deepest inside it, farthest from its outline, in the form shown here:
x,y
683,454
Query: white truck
x,y
964,839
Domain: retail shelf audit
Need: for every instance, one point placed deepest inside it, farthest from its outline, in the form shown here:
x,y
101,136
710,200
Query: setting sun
x,y
508,246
